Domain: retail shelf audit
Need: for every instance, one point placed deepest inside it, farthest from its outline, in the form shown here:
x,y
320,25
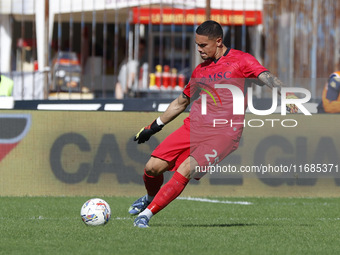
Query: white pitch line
x,y
122,218
198,199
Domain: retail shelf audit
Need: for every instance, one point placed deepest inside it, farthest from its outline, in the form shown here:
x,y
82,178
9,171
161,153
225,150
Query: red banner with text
x,y
168,16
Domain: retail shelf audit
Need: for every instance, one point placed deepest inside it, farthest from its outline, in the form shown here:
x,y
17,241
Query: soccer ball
x,y
95,212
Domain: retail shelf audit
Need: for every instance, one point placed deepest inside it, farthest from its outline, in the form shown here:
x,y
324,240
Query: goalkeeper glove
x,y
145,133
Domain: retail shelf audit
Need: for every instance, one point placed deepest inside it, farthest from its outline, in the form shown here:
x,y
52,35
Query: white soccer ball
x,y
95,212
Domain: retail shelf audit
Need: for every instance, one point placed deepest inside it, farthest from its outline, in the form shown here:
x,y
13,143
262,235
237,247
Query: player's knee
x,y
152,171
154,167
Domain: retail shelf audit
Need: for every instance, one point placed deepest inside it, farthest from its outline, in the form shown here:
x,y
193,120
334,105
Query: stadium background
x,y
297,40
51,162
92,153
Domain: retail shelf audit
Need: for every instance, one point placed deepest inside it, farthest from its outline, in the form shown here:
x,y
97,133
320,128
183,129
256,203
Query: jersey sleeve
x,y
251,67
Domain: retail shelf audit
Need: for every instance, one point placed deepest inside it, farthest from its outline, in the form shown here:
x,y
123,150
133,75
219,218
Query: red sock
x,y
152,183
172,189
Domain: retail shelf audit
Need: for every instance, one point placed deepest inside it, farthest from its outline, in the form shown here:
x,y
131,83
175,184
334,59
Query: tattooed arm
x,y
272,81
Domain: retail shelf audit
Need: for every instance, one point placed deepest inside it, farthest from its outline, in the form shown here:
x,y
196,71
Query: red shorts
x,y
204,148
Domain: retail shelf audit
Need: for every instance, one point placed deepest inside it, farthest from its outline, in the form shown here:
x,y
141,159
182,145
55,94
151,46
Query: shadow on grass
x,y
220,225
239,225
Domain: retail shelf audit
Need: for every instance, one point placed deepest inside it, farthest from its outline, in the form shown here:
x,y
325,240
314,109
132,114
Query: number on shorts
x,y
214,156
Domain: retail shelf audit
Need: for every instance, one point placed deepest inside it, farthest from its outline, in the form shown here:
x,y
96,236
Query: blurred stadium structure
x,y
297,40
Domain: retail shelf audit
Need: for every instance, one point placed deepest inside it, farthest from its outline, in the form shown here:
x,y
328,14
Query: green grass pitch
x,y
52,225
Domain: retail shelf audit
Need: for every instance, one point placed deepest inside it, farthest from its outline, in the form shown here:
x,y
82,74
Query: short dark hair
x,y
210,28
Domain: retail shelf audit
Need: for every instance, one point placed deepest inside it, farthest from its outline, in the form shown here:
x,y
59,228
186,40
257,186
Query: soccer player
x,y
198,142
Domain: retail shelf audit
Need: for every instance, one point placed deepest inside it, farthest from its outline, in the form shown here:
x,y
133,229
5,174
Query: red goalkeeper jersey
x,y
233,68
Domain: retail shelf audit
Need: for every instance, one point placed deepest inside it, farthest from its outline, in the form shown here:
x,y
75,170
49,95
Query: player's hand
x,y
292,108
146,132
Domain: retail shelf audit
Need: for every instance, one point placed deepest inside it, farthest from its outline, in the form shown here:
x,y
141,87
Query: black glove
x,y
145,133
